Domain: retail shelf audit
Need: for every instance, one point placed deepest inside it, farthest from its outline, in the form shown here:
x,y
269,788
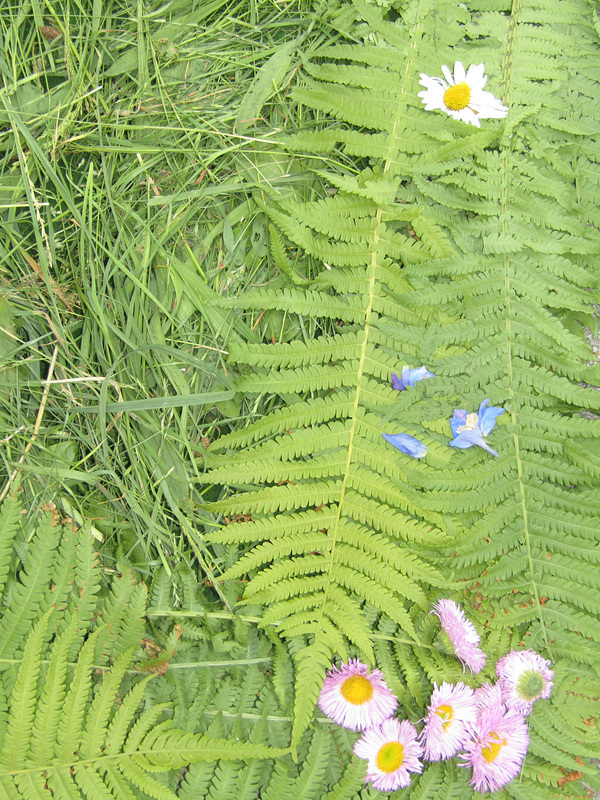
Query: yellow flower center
x,y
390,757
471,424
490,753
457,97
357,690
447,715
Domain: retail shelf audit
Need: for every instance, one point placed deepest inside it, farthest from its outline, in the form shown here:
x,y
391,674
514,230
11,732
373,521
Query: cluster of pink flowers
x,y
485,727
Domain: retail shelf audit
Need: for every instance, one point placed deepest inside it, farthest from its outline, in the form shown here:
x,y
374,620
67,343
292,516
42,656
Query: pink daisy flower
x,y
392,751
451,709
356,698
497,748
487,696
462,634
524,678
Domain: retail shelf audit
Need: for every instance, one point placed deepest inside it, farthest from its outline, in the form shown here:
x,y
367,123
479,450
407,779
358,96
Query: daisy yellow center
x,y
390,757
529,685
471,424
447,715
357,690
457,97
490,753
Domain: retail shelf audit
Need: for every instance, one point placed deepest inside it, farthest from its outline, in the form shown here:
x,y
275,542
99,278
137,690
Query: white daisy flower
x,y
462,95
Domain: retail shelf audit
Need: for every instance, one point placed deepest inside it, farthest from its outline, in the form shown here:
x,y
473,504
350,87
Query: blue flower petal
x,y
458,420
468,439
488,448
414,375
406,444
487,417
482,406
397,383
409,377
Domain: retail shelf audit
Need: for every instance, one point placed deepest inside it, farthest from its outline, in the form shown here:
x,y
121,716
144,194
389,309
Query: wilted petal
x,y
486,446
462,634
406,444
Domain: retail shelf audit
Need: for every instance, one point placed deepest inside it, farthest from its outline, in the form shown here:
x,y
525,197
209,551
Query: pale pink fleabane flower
x,y
496,749
524,677
451,708
355,697
392,750
462,634
487,696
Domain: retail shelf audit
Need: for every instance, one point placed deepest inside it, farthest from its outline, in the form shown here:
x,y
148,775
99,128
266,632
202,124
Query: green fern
x,y
64,733
469,252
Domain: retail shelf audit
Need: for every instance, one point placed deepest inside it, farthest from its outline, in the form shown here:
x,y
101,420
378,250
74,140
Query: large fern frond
x,y
471,253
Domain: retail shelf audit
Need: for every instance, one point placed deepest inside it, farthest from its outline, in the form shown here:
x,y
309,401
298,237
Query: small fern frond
x,y
70,723
28,591
9,525
22,701
52,697
94,736
65,735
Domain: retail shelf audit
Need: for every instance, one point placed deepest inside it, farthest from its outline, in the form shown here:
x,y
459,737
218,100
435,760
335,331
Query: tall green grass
x,y
131,136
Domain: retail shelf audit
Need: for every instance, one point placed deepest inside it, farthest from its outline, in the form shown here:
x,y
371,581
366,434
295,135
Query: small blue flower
x,y
406,444
409,377
469,429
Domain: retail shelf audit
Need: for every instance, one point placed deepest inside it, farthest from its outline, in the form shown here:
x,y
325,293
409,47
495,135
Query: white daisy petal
x,y
433,97
459,72
468,115
487,105
447,74
461,95
433,83
475,77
